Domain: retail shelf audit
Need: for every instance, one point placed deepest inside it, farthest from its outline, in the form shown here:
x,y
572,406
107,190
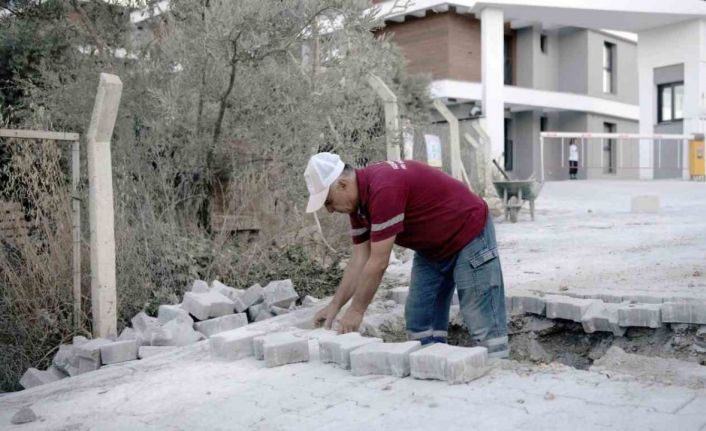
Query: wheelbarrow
x,y
514,193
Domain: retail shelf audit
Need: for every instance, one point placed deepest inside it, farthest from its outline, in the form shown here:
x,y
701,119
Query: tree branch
x,y
224,98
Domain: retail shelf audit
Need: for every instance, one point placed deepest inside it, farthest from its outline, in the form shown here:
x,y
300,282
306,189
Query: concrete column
x,y
100,205
648,111
492,75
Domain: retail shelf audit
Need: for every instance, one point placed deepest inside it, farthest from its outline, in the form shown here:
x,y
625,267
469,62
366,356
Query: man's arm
x,y
351,275
368,283
361,254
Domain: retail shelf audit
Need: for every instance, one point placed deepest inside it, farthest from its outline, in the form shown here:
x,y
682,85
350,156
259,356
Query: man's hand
x,y
350,322
325,316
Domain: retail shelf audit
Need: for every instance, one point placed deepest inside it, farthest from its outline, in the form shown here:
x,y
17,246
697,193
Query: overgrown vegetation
x,y
223,103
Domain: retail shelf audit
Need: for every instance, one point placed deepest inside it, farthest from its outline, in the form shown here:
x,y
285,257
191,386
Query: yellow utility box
x,y
697,159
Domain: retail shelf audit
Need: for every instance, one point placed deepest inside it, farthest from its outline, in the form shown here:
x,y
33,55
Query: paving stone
x,y
528,303
338,349
176,332
199,286
399,294
79,340
684,312
165,313
56,372
281,348
250,297
450,363
227,291
647,204
279,310
317,334
92,349
582,295
643,299
206,305
23,416
602,317
86,365
233,344
564,307
642,315
127,334
254,310
390,359
286,334
309,301
120,351
279,293
66,359
34,377
607,297
148,351
220,324
264,314
143,324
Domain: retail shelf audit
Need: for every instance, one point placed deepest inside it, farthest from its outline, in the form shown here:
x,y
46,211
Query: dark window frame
x,y
508,147
543,43
609,69
672,86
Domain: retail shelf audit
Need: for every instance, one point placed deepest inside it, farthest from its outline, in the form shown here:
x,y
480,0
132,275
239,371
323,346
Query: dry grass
x,y
35,272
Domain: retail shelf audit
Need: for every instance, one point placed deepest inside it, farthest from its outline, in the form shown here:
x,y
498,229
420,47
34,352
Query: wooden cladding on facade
x,y
444,46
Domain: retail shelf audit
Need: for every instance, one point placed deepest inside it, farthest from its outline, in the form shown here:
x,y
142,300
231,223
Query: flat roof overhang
x,y
619,15
522,99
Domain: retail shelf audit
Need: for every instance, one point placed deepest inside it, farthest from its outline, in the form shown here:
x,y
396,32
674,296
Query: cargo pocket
x,y
485,271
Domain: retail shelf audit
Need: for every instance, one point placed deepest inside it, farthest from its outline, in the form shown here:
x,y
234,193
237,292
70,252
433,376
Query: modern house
x,y
600,66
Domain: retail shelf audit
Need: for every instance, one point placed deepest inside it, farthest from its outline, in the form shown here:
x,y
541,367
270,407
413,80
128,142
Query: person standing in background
x,y
573,159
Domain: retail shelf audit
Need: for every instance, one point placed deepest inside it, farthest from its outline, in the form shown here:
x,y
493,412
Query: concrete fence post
x,y
100,205
392,116
454,138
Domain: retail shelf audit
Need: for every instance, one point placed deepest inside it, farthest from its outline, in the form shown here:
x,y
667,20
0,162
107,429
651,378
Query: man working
x,y
413,205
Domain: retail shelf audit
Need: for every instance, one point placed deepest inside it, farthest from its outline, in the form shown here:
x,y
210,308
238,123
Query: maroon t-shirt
x,y
429,211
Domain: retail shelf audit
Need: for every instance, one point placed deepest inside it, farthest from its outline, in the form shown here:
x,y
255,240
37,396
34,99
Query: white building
x,y
601,66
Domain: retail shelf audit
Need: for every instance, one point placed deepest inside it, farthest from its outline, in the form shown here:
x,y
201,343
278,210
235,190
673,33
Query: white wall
x,y
664,46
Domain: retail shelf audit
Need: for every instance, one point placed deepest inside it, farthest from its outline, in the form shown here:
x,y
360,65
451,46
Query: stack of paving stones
x,y
601,312
352,351
205,312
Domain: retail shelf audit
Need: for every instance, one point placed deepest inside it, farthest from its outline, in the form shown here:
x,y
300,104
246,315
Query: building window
x,y
670,103
608,67
508,60
508,150
543,43
543,123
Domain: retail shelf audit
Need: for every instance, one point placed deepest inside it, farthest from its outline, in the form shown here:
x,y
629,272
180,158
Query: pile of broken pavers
x,y
204,312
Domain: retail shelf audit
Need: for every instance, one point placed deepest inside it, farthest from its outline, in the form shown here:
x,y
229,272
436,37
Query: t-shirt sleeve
x,y
387,207
360,231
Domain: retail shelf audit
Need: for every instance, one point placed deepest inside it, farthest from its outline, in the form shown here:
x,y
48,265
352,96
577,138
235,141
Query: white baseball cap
x,y
321,172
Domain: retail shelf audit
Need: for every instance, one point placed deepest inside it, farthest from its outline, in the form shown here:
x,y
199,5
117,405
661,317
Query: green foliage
x,y
223,102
